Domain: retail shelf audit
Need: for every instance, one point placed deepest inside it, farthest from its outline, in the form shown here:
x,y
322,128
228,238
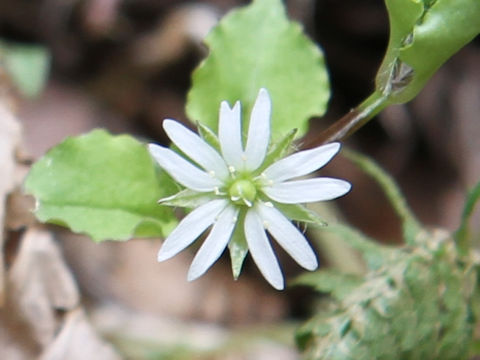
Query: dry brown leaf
x,y
16,342
40,283
19,212
40,289
9,139
78,341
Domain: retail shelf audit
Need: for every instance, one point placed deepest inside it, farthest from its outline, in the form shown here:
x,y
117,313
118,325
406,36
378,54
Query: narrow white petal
x,y
183,171
261,250
301,163
230,134
258,131
288,236
195,148
191,227
309,190
214,244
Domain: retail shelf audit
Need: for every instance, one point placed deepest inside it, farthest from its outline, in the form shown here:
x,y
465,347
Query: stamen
x,y
216,190
269,204
165,199
211,173
231,169
248,203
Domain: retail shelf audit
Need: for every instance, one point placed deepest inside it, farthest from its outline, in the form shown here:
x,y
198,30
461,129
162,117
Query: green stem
x,y
411,227
352,121
462,236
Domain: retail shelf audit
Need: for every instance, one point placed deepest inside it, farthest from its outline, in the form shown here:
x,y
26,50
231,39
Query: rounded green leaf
x,y
254,47
423,35
101,185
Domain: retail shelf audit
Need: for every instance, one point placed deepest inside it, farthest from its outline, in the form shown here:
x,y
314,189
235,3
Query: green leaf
x,y
423,35
209,136
238,246
253,47
462,235
186,198
102,185
27,66
278,149
300,213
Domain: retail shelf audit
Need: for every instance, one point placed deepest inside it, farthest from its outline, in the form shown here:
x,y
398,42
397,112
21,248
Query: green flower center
x,y
243,192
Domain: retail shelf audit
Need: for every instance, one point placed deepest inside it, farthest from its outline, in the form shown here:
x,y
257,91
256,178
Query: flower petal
x,y
214,244
183,171
190,228
288,236
301,163
195,148
309,190
261,250
230,134
258,131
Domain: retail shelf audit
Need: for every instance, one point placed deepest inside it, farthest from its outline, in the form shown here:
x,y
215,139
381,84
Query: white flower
x,y
235,183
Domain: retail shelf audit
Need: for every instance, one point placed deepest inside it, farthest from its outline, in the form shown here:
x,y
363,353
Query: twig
x,y
350,122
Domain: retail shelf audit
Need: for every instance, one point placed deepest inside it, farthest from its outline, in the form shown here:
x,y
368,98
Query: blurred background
x,y
125,65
